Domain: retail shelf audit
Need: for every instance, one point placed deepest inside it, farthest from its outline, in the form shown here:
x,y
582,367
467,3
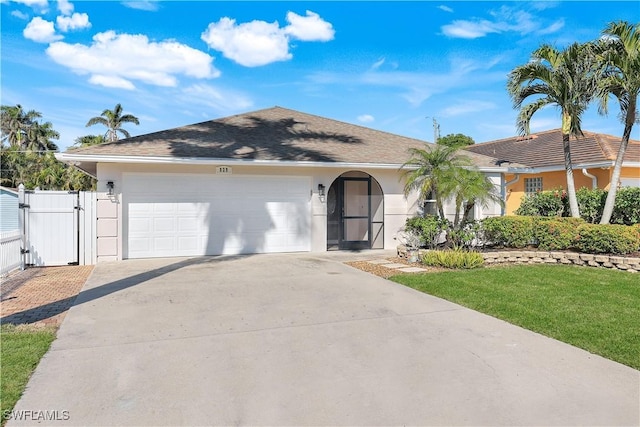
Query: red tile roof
x,y
544,149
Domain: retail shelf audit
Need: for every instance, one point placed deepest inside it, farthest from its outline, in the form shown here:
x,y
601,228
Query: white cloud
x,y
378,64
504,19
250,44
467,107
417,87
116,60
65,7
150,6
41,31
555,27
257,43
34,4
309,28
221,100
73,22
469,29
445,8
111,81
366,118
19,15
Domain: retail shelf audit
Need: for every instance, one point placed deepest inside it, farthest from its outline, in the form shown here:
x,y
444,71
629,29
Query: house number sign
x,y
224,170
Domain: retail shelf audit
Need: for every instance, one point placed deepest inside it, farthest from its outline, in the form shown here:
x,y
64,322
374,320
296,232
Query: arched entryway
x,y
355,212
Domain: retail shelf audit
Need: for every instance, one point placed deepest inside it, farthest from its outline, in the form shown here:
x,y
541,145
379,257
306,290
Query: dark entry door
x,y
349,214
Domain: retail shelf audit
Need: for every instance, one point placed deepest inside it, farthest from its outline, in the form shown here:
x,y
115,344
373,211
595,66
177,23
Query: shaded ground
x,y
41,296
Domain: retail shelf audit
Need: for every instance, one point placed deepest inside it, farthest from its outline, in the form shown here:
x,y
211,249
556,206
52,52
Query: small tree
x,y
449,175
457,140
428,171
88,140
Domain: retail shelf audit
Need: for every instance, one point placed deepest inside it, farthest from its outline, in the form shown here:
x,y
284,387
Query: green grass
x,y
21,349
595,309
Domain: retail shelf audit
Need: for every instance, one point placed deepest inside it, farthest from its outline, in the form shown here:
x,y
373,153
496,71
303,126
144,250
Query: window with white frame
x,y
532,185
429,205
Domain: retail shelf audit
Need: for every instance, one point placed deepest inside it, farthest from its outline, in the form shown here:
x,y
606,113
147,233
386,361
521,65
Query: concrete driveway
x,y
302,339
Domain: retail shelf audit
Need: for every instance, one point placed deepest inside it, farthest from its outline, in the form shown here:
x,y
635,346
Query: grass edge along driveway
x,y
597,310
21,348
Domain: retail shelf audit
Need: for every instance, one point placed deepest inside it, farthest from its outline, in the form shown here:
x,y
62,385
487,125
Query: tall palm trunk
x,y
617,167
568,166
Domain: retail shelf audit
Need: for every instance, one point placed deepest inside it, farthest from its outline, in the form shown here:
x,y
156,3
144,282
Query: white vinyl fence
x,y
59,227
55,228
10,243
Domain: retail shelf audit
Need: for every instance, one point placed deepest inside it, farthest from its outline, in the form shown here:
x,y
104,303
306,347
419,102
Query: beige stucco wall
x,y
112,227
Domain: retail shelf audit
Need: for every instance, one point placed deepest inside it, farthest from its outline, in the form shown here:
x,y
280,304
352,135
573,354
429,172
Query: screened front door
x,y
355,213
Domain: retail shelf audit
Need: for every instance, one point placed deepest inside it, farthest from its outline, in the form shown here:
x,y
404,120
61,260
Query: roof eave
x,y
556,168
76,159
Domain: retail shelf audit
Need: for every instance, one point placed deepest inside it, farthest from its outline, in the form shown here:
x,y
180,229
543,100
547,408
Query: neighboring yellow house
x,y
536,163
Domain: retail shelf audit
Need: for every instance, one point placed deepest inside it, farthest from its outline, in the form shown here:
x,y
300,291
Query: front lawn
x,y
591,308
20,350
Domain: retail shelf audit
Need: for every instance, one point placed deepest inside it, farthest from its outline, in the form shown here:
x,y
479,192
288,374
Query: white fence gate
x,y
59,227
10,244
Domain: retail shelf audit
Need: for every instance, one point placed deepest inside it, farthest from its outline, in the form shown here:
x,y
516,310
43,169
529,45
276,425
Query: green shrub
x,y
591,203
429,228
544,203
554,203
466,236
509,231
453,258
607,238
556,234
626,210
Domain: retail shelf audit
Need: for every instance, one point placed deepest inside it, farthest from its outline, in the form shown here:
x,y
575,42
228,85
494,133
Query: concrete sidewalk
x,y
302,339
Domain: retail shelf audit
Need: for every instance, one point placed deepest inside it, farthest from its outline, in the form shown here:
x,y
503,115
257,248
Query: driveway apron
x,y
302,339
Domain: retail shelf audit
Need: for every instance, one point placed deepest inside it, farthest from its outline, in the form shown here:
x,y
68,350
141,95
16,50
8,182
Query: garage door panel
x,y
140,225
139,244
188,243
164,243
191,215
189,224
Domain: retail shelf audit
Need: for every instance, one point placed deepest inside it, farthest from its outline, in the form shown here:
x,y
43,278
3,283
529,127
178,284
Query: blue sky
x,y
392,66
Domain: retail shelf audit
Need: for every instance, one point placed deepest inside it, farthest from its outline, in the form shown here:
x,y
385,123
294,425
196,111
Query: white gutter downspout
x,y
504,190
594,179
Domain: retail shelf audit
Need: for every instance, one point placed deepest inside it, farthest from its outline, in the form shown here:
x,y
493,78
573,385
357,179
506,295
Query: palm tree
x,y
39,136
565,79
113,120
620,50
469,186
15,123
428,170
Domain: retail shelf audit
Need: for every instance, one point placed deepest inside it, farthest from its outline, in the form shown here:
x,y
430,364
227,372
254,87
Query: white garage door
x,y
190,215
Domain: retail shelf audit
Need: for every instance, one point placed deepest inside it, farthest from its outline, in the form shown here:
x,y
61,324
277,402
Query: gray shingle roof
x,y
271,134
544,149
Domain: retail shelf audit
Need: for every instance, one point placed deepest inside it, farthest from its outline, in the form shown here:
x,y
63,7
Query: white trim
x,y
71,158
561,167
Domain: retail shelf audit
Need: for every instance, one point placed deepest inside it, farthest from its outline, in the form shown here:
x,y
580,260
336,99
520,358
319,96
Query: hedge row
x,y
549,233
554,203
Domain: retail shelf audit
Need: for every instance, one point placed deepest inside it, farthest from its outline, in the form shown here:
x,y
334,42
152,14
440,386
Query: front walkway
x,y
41,296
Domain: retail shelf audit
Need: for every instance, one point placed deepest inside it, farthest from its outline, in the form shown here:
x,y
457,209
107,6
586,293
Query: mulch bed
x,y
385,272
